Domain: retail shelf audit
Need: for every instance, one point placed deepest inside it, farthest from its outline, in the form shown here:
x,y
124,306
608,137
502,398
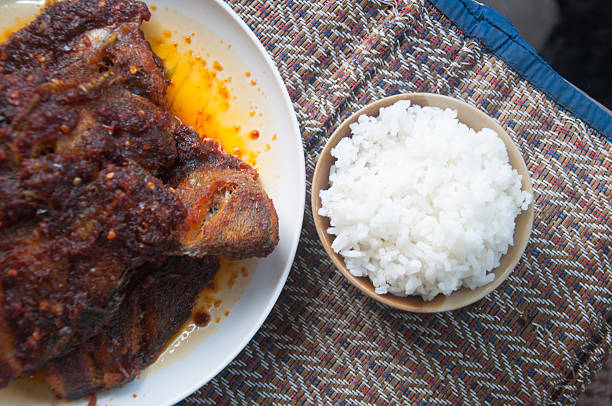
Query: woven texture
x,y
538,339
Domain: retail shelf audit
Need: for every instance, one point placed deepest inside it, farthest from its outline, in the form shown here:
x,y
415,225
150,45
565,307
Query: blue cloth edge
x,y
499,36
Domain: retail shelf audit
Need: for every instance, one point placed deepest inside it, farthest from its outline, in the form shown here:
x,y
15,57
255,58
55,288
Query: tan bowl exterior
x,y
473,118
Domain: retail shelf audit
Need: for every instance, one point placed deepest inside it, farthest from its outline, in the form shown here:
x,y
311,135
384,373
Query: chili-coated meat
x,y
98,178
158,300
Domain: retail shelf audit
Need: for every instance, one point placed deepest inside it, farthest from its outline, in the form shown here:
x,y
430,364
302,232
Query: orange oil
x,y
201,98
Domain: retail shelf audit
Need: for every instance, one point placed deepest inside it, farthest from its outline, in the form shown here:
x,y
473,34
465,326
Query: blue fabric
x,y
499,36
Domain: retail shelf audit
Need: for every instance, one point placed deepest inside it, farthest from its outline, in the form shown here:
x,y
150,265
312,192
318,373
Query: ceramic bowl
x,y
473,118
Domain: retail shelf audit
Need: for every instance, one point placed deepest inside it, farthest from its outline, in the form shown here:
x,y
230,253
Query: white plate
x,y
178,374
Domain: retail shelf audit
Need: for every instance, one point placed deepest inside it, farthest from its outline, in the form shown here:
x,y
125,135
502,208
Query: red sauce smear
x,y
93,401
198,211
201,318
254,134
232,280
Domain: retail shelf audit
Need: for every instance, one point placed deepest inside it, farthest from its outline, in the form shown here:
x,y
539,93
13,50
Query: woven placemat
x,y
538,339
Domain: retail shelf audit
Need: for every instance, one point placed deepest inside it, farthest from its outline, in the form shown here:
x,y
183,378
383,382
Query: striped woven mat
x,y
539,338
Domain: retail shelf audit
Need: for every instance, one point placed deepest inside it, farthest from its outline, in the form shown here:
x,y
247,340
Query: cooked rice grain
x,y
421,203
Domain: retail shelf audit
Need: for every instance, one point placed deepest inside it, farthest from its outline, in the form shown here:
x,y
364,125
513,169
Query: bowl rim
x,y
363,283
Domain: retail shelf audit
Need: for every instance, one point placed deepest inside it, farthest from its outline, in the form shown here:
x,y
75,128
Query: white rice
x,y
421,203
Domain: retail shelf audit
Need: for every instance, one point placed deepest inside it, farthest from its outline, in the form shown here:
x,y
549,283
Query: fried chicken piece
x,y
61,279
97,177
157,303
63,79
64,187
228,213
74,42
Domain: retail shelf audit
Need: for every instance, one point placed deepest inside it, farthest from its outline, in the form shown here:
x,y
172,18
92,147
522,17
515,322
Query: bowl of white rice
x,y
423,202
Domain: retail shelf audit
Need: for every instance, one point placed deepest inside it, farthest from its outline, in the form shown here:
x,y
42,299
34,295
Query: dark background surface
x,y
573,36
